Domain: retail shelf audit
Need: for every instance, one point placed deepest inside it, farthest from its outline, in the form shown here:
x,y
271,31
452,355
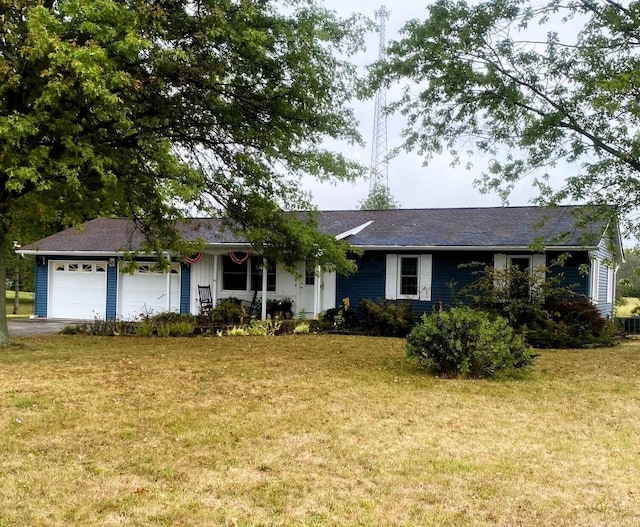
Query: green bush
x,y
229,311
388,319
551,315
103,328
467,343
572,324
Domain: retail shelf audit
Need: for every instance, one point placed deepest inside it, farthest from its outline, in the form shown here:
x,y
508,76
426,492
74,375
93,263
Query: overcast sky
x,y
411,184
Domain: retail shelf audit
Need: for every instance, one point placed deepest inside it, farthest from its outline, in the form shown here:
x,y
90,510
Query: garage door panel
x,y
77,290
145,292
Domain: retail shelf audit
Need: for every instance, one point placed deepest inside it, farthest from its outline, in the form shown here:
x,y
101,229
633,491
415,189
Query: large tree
x,y
526,90
155,108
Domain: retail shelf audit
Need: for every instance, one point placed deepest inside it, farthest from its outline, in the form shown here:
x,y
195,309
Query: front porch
x,y
240,274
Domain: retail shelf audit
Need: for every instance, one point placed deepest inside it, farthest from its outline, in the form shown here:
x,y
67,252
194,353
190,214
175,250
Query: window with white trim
x,y
519,275
80,267
408,277
246,275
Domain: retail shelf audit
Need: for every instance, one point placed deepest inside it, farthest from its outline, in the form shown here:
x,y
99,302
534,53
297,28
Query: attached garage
x,y
148,291
77,289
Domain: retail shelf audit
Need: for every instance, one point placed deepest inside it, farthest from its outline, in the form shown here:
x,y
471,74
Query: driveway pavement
x,y
30,327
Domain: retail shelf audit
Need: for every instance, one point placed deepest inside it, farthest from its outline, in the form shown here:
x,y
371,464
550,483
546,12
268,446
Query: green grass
x,y
25,307
310,430
625,308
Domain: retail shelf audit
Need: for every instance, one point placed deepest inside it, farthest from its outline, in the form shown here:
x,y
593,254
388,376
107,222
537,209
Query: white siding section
x,y
202,273
391,280
424,290
328,291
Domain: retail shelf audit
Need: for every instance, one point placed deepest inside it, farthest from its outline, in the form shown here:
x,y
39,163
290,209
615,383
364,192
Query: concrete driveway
x,y
30,327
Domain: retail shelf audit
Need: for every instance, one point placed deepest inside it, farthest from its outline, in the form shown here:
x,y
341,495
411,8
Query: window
x,y
80,267
309,277
408,277
234,274
517,276
238,275
256,274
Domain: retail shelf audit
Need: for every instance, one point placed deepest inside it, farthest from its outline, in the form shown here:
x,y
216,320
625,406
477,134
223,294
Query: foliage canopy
x,y
526,87
154,109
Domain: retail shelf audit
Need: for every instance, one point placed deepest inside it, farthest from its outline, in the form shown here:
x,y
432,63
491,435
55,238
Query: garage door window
x,y
79,267
152,269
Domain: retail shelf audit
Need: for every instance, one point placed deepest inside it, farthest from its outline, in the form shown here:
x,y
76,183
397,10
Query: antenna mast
x,y
379,170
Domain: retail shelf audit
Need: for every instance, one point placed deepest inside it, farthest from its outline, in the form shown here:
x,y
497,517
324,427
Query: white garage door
x,y
77,290
146,291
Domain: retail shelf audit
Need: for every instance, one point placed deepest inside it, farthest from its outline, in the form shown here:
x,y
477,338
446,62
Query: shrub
x,y
551,315
103,328
389,319
229,311
467,343
338,318
301,328
572,324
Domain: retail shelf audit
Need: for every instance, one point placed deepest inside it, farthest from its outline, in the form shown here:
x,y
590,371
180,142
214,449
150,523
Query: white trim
x,y
354,231
610,284
594,283
393,280
391,277
425,273
479,248
399,294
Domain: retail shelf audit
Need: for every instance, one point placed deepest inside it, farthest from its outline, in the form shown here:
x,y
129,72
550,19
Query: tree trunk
x,y
4,329
16,289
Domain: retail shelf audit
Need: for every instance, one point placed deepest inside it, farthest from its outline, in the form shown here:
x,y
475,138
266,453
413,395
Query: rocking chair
x,y
205,299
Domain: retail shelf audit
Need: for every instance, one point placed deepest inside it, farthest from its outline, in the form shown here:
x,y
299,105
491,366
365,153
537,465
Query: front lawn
x,y
25,306
310,430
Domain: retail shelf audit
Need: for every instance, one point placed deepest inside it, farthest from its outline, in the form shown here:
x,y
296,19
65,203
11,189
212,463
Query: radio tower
x,y
379,196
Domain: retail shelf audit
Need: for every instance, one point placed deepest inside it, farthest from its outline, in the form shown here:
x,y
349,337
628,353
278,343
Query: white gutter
x,y
494,248
69,253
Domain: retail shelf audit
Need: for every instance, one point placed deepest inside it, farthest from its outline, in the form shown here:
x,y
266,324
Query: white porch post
x,y
317,292
168,284
214,289
263,313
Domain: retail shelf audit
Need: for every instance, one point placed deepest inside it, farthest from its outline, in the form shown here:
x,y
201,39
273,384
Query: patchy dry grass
x,y
310,430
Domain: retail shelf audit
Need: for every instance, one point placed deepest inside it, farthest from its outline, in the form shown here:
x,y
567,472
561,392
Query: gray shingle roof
x,y
429,228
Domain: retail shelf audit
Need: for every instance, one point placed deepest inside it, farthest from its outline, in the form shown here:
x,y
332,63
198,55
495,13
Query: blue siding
x,y
451,272
573,278
112,292
41,287
185,289
606,258
447,278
